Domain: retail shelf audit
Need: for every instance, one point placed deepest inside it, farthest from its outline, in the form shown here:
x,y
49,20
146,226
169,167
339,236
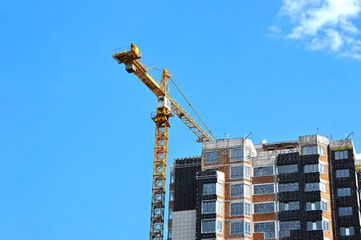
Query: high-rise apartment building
x,y
301,189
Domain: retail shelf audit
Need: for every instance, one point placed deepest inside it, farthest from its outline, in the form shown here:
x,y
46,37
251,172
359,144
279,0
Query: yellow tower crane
x,y
166,107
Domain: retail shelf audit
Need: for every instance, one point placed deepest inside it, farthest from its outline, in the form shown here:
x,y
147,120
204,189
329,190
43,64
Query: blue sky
x,y
76,146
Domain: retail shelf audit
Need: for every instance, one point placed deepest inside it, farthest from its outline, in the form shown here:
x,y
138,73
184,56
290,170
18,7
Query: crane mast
x,y
160,162
166,107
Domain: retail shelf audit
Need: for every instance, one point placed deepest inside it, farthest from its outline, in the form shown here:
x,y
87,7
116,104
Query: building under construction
x,y
301,189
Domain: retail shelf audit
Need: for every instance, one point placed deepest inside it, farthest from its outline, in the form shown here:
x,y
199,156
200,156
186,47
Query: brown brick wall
x,y
258,236
264,198
263,179
264,217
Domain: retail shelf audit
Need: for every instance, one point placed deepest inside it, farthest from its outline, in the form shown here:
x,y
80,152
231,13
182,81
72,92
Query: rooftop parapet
x,y
228,144
313,139
187,162
341,144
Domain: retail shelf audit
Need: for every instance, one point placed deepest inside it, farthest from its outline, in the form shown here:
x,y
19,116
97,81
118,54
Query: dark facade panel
x,y
288,196
312,177
185,186
289,215
314,216
314,196
288,177
314,235
202,178
344,201
293,235
342,182
287,159
309,159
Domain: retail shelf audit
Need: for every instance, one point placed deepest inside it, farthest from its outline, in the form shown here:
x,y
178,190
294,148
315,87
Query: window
x,y
236,172
240,190
247,228
172,178
342,192
240,228
239,154
237,228
312,206
323,187
347,231
247,209
219,226
240,172
247,172
170,214
268,228
219,189
219,206
209,188
290,206
211,157
341,173
324,206
171,196
315,168
287,168
169,233
208,207
288,187
263,171
263,189
286,227
311,226
240,209
325,226
310,187
264,207
208,226
345,211
313,150
341,155
319,225
311,168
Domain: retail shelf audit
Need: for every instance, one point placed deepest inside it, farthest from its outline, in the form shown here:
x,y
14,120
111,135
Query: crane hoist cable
x,y
193,108
148,67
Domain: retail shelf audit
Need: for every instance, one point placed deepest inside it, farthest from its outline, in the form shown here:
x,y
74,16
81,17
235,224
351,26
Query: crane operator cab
x,y
163,101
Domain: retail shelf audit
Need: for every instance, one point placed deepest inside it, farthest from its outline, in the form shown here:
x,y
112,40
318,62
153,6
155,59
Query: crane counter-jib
x,y
148,81
138,70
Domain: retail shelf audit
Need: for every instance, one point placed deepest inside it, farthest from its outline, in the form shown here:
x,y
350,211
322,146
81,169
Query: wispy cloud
x,y
327,25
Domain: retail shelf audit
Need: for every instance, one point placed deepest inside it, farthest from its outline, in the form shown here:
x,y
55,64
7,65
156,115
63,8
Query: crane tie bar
x,y
193,108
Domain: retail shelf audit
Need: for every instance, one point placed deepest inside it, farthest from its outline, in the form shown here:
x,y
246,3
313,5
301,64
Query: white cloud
x,y
324,25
